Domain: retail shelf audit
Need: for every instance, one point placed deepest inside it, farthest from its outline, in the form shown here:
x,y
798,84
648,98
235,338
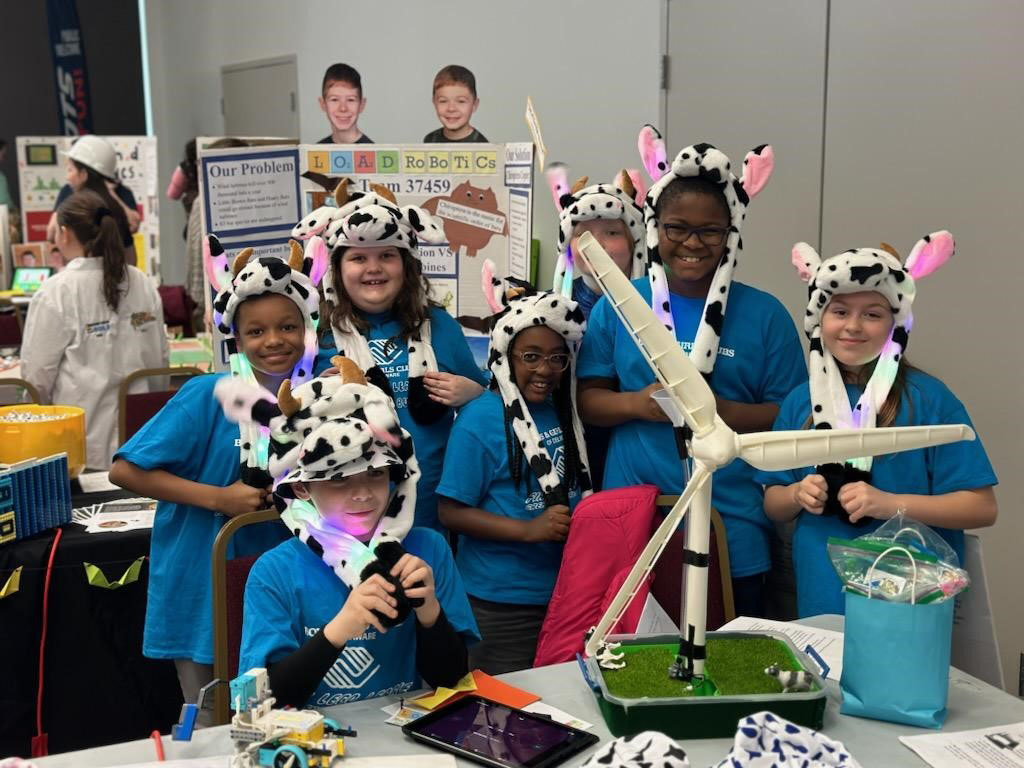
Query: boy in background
x,y
343,102
455,101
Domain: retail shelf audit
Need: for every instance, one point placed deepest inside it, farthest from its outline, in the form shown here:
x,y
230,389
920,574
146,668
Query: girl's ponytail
x,y
96,227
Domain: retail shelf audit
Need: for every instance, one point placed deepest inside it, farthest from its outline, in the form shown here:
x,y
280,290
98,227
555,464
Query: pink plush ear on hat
x,y
316,251
652,152
806,260
757,169
218,272
930,253
487,283
557,175
638,184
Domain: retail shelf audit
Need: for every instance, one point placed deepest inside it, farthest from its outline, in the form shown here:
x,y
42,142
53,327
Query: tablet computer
x,y
477,729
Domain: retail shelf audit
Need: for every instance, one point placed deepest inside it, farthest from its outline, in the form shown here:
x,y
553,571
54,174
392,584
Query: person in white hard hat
x,y
92,164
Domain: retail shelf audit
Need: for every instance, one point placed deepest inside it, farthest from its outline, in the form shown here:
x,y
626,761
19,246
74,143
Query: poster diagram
x,y
41,176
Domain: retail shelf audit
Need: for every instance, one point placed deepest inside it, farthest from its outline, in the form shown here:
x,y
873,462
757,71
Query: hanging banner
x,y
74,110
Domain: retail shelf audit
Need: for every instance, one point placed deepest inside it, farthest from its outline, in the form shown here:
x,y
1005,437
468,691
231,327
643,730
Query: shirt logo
x,y
558,459
353,669
141,319
384,351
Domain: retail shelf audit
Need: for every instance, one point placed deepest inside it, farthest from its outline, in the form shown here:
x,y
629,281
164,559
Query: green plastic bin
x,y
708,716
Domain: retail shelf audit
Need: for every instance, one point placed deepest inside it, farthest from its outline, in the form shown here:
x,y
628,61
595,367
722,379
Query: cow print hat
x,y
517,310
244,279
374,220
705,162
330,428
853,271
615,201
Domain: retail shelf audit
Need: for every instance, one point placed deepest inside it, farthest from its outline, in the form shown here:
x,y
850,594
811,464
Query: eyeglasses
x,y
709,236
557,362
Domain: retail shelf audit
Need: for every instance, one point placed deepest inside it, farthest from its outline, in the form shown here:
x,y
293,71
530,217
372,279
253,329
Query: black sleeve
x,y
294,678
441,655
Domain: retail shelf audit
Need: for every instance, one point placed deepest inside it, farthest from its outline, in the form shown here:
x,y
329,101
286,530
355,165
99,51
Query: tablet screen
x,y
497,734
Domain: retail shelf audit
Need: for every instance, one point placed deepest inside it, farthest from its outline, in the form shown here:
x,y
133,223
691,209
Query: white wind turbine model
x,y
712,445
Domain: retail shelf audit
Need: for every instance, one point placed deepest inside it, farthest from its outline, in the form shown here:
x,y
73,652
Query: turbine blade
x,y
802,448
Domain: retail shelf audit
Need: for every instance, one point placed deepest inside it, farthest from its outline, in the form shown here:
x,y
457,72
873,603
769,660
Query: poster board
x,y
481,192
42,172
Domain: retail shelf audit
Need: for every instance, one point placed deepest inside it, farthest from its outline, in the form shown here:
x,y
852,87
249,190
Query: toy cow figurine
x,y
791,682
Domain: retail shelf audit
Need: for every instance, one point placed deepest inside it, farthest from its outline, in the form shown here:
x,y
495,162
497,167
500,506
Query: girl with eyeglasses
x,y
515,466
750,354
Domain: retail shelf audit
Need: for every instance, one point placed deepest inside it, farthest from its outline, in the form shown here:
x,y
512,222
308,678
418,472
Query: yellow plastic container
x,y
20,440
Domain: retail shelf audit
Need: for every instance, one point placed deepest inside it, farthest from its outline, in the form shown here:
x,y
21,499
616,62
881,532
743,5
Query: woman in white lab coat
x,y
92,324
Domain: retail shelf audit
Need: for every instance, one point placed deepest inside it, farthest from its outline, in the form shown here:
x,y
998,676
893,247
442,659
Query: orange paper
x,y
491,688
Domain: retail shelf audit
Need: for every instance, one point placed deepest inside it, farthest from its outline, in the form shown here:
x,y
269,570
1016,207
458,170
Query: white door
x,y
260,98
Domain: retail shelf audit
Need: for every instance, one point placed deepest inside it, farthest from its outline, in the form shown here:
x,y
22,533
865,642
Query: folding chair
x,y
668,573
229,577
135,409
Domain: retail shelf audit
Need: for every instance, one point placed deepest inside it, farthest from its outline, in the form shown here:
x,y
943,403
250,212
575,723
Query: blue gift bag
x,y
896,659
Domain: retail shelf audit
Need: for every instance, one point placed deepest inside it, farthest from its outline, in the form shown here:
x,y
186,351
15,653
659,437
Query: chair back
x,y
229,577
669,576
135,409
27,391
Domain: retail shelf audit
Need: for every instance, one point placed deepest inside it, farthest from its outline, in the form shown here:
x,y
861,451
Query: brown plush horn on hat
x,y
581,182
348,369
296,257
625,183
384,192
890,250
514,293
285,401
240,260
341,193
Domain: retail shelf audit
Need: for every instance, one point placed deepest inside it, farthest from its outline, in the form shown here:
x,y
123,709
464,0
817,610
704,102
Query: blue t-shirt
x,y
585,296
292,594
760,360
391,354
190,438
926,471
476,473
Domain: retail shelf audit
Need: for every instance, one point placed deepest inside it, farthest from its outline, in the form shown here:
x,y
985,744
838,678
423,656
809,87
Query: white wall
x,y
592,89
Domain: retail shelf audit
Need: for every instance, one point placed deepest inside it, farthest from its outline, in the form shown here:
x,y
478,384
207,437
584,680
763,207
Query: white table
x,y
972,704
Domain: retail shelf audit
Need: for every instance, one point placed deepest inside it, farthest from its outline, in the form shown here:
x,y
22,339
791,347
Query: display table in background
x,y
97,687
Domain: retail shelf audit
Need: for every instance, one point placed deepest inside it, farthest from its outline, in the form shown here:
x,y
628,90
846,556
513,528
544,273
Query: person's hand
x,y
239,498
861,499
357,614
450,389
811,493
550,525
417,579
644,406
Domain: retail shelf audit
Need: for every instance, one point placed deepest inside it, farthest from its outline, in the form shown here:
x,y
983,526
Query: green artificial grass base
x,y
734,666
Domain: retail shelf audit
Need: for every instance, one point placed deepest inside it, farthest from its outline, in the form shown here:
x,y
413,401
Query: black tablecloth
x,y
98,689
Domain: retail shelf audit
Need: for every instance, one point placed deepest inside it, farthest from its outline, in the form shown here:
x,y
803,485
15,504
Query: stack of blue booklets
x,y
35,496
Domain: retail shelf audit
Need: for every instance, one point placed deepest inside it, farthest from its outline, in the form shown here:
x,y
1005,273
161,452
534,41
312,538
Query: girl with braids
x,y
92,324
509,491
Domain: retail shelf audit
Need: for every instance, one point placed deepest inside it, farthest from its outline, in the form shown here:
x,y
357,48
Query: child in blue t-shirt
x,y
204,469
382,319
858,320
515,467
610,214
327,612
750,354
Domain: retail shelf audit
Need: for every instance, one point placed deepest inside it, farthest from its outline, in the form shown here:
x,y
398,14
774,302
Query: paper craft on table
x,y
489,688
826,643
1001,746
540,708
432,700
401,714
96,482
